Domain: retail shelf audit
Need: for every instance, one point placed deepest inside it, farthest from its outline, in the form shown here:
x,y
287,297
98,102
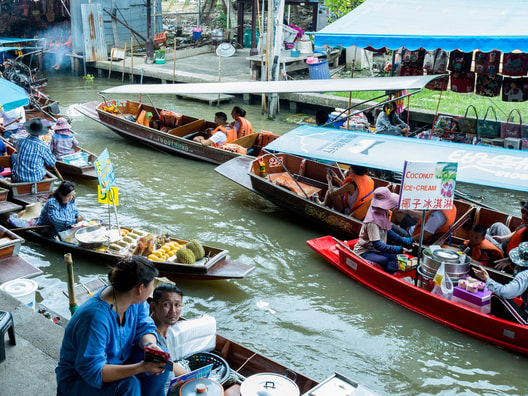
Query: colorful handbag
x,y
468,125
463,82
508,130
488,85
460,61
489,128
515,64
515,89
413,58
487,62
439,84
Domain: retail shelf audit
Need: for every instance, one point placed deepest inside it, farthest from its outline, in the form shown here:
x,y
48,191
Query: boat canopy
x,y
482,165
448,24
408,83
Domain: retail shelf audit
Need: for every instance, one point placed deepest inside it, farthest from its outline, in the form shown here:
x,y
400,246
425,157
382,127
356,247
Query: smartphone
x,y
155,355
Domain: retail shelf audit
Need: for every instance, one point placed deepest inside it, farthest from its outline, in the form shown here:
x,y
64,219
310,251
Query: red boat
x,y
404,292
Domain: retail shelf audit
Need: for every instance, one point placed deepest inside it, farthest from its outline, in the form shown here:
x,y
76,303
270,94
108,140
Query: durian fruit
x,y
185,256
196,248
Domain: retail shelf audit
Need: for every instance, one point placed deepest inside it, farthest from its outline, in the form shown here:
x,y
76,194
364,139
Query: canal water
x,y
295,307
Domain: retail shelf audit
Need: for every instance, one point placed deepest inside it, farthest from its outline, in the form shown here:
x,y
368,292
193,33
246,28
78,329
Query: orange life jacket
x,y
476,251
450,215
144,118
245,127
365,186
231,134
517,237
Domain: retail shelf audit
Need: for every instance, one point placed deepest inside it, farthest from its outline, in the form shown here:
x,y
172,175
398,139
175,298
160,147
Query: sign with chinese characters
x,y
428,185
105,171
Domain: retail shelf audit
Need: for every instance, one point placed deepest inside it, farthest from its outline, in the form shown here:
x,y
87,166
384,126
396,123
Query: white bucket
x,y
23,290
305,46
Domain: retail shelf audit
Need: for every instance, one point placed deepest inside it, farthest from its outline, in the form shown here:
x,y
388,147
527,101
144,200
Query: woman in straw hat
x,y
502,304
62,142
376,229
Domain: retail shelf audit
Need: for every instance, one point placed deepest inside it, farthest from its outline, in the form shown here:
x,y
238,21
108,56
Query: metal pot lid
x,y
201,387
269,384
445,254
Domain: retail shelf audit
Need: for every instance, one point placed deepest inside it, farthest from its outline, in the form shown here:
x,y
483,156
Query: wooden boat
x,y
79,165
178,139
453,314
215,265
11,265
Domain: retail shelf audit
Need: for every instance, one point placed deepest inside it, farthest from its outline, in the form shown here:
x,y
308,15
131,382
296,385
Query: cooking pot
x,y
269,384
453,265
202,387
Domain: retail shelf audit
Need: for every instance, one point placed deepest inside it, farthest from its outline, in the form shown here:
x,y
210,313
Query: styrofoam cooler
x,y
319,71
23,290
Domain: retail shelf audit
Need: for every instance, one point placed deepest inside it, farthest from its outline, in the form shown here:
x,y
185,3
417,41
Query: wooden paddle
x,y
69,280
40,227
58,173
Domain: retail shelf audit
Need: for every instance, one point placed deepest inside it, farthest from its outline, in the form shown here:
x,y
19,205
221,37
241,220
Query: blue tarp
x,y
448,24
482,165
12,95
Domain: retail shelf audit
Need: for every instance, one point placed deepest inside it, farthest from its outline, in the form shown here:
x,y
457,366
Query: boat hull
x,y
459,317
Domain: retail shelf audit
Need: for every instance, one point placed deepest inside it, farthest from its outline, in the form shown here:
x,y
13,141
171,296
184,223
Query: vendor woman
x,y
60,211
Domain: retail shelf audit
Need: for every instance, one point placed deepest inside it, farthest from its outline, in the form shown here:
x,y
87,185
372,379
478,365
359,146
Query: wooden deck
x,y
16,267
210,98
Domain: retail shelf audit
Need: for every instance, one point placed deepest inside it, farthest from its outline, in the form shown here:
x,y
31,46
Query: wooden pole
x,y
69,280
219,72
132,59
174,64
58,174
111,59
124,61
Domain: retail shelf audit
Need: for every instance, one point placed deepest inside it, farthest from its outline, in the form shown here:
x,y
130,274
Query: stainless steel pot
x,y
453,265
269,384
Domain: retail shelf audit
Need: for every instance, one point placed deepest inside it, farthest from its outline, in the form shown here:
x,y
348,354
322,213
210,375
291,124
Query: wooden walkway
x,y
210,98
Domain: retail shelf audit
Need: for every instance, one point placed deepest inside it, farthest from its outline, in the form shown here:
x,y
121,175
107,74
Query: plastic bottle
x,y
262,168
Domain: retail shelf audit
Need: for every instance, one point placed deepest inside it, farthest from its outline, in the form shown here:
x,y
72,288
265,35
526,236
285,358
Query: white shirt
x,y
12,115
219,138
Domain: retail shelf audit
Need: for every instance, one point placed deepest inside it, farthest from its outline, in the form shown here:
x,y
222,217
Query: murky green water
x,y
294,307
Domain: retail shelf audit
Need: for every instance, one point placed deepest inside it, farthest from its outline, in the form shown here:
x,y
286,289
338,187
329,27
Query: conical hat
x,y
31,211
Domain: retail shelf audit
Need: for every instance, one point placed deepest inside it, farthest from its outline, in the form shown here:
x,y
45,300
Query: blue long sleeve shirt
x,y
93,339
59,215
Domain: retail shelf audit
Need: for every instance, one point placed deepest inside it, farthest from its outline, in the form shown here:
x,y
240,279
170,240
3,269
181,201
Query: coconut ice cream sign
x,y
428,185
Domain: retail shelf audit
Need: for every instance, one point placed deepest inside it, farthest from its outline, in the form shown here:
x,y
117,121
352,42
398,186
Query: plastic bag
x,y
443,285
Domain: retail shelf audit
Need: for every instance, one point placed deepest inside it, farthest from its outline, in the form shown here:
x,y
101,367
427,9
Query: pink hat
x,y
384,199
61,124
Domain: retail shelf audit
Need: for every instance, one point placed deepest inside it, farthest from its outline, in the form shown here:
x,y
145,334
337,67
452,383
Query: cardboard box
x,y
480,300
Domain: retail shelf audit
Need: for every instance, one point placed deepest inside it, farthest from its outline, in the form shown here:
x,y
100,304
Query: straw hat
x,y
519,255
35,127
61,124
384,199
31,211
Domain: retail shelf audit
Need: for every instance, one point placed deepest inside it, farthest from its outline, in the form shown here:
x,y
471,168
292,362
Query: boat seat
x,y
284,179
6,324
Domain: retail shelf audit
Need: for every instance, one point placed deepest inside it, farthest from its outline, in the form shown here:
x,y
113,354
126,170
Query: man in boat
x,y
482,250
354,194
165,309
388,122
502,304
501,236
33,155
221,135
437,222
11,120
241,124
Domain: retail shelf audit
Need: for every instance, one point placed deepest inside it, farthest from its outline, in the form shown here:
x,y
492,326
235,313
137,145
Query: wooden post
x,y
219,72
69,280
124,61
111,59
132,59
174,64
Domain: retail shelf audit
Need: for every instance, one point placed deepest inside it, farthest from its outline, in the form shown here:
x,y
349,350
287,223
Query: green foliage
x,y
338,8
221,20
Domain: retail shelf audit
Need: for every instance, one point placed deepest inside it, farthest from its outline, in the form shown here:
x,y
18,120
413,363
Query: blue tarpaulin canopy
x,y
12,96
466,25
487,166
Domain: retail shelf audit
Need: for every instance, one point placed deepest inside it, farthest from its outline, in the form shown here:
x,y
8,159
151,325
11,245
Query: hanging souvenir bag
x,y
463,82
468,125
508,130
487,62
438,84
413,59
460,61
441,59
489,128
515,89
515,64
410,71
488,85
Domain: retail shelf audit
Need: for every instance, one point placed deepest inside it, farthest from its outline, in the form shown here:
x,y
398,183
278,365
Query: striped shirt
x,y
32,156
62,145
61,216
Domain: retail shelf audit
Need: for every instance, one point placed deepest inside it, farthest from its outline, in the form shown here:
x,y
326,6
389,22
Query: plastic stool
x,y
6,324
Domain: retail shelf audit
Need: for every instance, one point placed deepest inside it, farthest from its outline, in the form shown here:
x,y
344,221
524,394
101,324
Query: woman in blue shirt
x,y
107,332
60,210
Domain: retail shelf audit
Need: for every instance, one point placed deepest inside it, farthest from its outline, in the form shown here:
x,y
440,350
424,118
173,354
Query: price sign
x,y
105,171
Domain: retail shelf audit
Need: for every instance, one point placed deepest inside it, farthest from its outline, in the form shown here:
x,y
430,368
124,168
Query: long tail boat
x,y
175,134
